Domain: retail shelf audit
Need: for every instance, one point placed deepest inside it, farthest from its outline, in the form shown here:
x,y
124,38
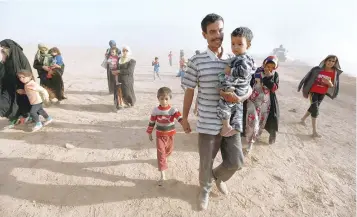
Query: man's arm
x,y
190,82
233,98
187,102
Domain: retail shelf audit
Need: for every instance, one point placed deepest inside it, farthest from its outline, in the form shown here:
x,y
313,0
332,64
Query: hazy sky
x,y
309,29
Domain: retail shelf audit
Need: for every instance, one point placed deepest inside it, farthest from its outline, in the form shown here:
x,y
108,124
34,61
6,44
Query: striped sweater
x,y
204,68
164,118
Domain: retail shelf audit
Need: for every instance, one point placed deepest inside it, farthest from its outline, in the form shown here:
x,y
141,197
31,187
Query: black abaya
x,y
12,105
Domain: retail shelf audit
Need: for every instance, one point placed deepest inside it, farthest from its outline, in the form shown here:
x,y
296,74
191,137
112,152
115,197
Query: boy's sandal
x,y
160,182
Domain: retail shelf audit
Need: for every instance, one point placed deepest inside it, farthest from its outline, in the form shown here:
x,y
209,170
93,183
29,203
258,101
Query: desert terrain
x,y
112,169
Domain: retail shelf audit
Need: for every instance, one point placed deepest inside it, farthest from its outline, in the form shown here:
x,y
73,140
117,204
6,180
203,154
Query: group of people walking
x,y
120,68
21,99
235,97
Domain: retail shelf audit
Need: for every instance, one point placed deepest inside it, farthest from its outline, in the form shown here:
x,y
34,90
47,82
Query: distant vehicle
x,y
281,53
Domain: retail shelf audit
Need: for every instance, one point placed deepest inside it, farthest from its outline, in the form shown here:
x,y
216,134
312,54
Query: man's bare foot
x,y
302,122
222,187
316,135
225,130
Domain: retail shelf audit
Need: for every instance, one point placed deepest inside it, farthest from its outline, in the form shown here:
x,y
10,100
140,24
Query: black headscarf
x,y
16,56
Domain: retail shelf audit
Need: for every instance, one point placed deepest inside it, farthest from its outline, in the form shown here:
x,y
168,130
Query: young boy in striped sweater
x,y
164,117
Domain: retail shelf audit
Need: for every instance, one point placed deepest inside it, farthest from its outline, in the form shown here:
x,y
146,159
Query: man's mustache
x,y
218,39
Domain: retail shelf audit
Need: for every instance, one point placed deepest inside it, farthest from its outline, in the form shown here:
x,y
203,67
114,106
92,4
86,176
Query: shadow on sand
x,y
81,195
99,93
102,135
100,108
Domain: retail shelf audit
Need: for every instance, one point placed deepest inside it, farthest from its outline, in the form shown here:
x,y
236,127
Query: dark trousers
x,y
232,155
315,99
36,111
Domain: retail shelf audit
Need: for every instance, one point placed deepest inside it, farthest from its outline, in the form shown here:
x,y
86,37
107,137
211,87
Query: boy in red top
x,y
164,116
320,81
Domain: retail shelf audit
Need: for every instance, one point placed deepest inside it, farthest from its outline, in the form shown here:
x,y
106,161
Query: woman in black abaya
x,y
12,105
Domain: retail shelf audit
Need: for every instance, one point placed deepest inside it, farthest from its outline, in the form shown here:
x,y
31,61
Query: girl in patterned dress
x,y
259,103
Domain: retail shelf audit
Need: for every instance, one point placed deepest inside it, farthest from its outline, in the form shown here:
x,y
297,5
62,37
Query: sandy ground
x,y
112,171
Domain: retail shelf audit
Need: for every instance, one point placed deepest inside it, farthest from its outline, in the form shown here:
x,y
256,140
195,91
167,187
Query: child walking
x,y
320,81
34,93
170,58
113,60
156,65
236,78
182,69
164,115
262,105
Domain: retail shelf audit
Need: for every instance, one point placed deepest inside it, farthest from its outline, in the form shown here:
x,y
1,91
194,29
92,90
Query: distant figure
x,y
182,53
124,95
156,65
50,68
112,45
182,69
320,81
170,58
163,116
197,52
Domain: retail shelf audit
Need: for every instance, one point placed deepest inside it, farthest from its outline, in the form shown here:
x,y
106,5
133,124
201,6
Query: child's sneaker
x,y
48,121
11,125
37,127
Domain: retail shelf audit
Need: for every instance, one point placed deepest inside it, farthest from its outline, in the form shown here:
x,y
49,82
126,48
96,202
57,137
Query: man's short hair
x,y
210,18
243,32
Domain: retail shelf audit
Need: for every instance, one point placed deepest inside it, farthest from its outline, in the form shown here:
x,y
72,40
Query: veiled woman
x,y
124,95
54,83
12,105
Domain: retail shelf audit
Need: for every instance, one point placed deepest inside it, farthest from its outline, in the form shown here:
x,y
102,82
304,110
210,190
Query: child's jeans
x,y
164,145
37,110
156,71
